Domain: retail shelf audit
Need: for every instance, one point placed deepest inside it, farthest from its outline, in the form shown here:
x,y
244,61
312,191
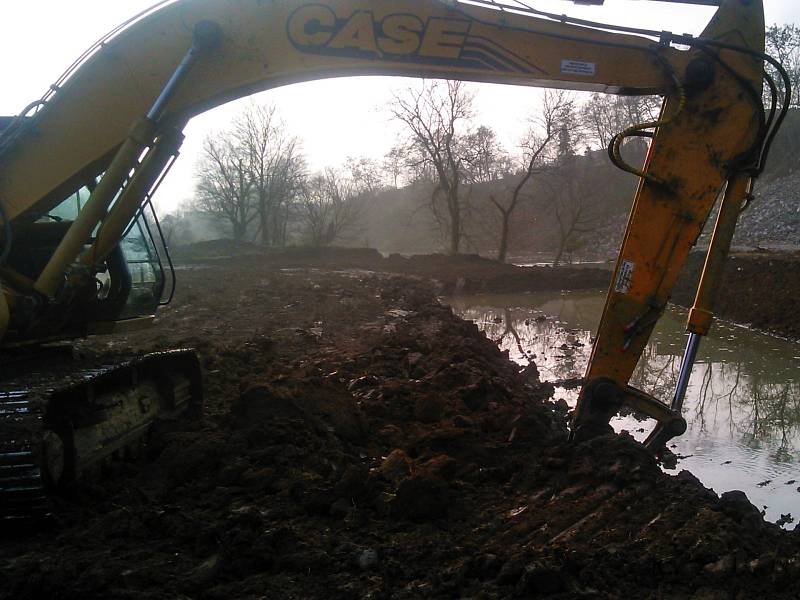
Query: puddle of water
x,y
596,264
743,402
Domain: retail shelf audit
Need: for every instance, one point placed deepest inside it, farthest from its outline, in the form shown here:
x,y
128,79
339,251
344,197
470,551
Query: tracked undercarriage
x,y
64,423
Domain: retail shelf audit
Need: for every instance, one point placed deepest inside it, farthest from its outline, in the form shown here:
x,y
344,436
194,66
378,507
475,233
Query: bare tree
x,y
574,211
485,159
176,227
783,43
170,227
604,116
394,163
276,168
432,116
224,187
572,203
329,208
535,148
365,174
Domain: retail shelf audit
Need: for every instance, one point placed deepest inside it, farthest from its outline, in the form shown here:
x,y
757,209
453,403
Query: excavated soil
x,y
759,289
360,441
463,273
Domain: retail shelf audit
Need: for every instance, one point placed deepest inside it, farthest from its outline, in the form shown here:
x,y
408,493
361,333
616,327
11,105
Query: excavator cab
x,y
126,287
140,253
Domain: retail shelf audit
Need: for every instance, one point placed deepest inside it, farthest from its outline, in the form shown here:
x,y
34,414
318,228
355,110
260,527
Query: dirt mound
x,y
360,441
212,249
760,289
471,274
465,273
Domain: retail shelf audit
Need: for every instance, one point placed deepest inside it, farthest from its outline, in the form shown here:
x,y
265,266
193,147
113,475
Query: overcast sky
x,y
40,38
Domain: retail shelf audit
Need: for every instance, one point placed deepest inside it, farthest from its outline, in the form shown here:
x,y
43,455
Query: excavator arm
x,y
119,113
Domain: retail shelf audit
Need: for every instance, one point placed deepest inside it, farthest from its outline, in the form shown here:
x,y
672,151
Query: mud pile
x,y
360,441
759,289
463,273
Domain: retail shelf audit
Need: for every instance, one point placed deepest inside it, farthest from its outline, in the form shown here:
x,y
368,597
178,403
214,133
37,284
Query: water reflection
x,y
743,402
743,385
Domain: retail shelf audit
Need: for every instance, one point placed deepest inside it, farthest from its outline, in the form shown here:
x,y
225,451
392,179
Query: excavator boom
x,y
266,45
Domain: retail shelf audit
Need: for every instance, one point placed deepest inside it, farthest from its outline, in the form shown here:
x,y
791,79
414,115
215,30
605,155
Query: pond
x,y
742,406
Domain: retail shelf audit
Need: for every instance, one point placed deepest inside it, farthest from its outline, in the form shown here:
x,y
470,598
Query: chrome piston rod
x,y
689,356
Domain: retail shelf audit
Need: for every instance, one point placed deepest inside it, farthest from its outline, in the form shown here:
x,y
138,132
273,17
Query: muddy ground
x,y
759,288
464,273
360,441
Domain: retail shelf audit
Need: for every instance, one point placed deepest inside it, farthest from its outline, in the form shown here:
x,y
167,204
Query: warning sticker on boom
x,y
625,276
578,67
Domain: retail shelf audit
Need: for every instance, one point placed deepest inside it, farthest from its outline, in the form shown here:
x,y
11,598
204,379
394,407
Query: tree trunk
x,y
239,231
563,240
284,225
503,250
557,259
455,221
264,217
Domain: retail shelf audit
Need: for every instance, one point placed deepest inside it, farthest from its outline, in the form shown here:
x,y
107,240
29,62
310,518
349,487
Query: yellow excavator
x,y
79,245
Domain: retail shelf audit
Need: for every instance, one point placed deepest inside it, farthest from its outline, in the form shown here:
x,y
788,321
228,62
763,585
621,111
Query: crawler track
x,y
61,424
22,489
